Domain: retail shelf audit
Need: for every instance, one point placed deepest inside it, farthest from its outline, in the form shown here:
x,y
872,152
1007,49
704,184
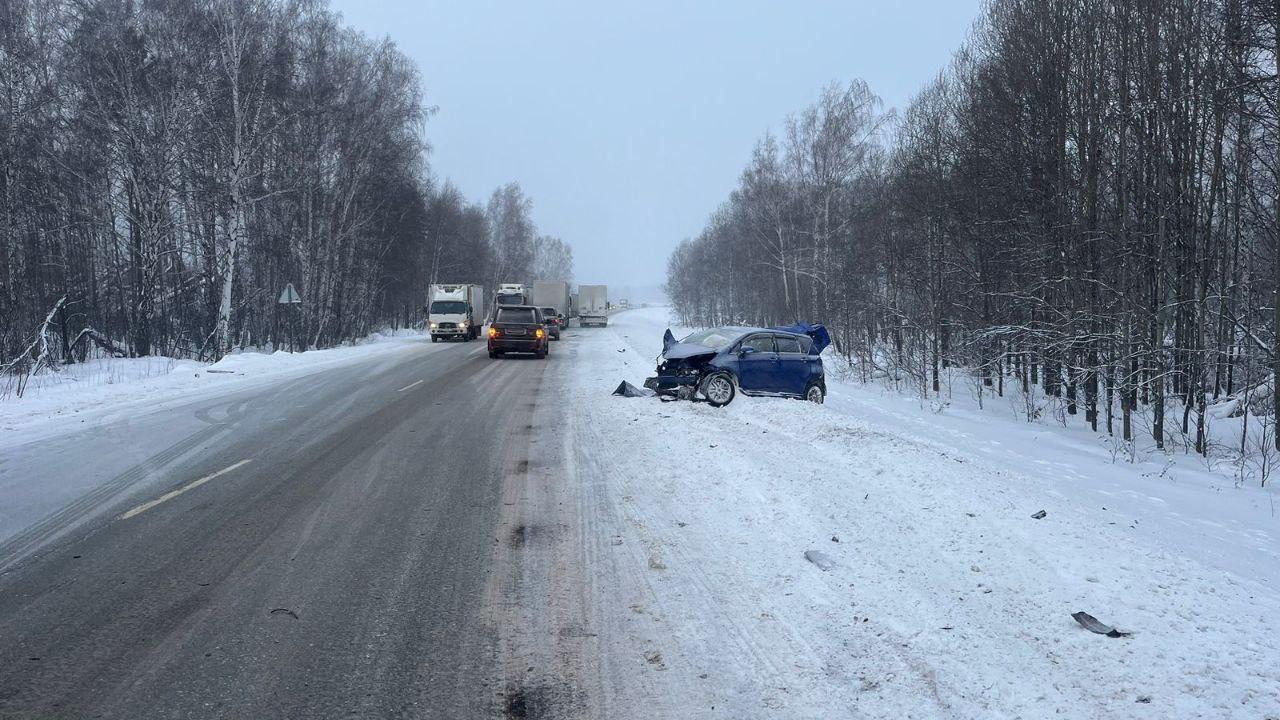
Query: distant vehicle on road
x,y
455,311
718,362
551,294
553,320
511,294
518,328
593,305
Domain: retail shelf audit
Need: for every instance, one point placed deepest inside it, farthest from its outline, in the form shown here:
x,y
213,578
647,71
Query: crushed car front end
x,y
679,377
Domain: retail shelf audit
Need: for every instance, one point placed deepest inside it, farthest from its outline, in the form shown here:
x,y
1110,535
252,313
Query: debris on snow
x,y
819,558
626,389
654,658
1092,624
1039,515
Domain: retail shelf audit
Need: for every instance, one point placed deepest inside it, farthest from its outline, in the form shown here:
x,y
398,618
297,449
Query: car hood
x,y
684,351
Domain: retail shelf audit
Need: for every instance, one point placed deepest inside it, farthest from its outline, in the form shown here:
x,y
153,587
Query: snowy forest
x,y
167,167
1081,206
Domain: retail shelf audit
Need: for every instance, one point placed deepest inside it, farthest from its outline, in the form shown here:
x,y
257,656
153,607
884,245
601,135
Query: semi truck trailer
x,y
551,294
593,305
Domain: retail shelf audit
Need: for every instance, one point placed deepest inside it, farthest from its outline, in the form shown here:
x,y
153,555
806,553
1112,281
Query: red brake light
x,y
493,331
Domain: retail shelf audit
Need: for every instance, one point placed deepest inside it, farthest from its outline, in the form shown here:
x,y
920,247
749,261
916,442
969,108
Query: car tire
x,y
719,389
435,339
493,354
815,393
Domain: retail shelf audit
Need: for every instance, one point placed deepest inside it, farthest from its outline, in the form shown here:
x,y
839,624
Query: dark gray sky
x,y
628,123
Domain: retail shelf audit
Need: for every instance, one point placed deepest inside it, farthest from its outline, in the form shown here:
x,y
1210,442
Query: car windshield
x,y
517,315
448,307
550,312
510,299
715,338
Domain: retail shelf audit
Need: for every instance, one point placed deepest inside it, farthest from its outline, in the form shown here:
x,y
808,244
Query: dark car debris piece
x,y
626,389
1039,515
1092,624
715,364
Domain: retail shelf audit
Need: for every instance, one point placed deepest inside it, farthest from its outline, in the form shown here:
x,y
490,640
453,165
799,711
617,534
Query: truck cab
x,y
511,294
456,312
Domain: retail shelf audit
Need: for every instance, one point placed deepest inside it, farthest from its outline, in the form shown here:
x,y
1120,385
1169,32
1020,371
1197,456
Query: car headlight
x,y
464,324
434,325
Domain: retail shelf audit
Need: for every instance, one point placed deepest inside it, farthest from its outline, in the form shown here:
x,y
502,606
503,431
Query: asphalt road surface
x,y
358,542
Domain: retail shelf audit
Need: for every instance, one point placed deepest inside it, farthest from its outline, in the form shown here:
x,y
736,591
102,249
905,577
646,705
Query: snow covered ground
x,y
944,597
88,392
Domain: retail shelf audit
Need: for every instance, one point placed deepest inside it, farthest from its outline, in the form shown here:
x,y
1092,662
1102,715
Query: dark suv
x,y
518,328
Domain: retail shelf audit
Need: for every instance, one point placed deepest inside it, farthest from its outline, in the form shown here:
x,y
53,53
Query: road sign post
x,y
290,297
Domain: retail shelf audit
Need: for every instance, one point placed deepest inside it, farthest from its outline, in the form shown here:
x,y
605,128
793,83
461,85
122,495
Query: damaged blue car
x,y
715,364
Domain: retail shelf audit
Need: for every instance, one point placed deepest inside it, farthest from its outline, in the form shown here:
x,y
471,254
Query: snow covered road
x,y
412,526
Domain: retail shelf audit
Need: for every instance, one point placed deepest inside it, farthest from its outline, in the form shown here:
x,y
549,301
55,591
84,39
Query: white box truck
x,y
455,311
593,305
551,294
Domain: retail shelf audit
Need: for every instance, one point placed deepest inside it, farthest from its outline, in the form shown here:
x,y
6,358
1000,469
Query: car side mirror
x,y
745,351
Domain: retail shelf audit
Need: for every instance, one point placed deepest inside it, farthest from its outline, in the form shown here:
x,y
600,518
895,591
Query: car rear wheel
x,y
815,394
493,354
719,389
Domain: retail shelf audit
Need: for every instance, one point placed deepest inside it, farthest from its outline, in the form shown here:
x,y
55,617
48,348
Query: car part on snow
x,y
819,558
668,340
1039,515
626,389
1092,624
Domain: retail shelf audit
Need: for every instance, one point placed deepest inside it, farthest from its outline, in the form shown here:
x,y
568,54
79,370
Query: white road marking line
x,y
410,385
175,493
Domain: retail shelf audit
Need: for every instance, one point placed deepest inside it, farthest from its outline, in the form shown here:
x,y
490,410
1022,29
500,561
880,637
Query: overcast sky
x,y
628,123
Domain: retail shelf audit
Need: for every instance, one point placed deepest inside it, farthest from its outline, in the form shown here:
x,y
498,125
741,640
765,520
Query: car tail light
x,y
540,332
493,331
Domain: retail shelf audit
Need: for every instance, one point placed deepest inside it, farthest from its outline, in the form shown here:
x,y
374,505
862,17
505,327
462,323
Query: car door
x,y
757,363
793,365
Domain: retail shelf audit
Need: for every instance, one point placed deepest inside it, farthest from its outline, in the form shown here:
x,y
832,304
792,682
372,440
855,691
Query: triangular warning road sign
x,y
288,296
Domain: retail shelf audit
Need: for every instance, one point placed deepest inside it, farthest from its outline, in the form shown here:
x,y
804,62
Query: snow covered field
x,y
88,392
944,598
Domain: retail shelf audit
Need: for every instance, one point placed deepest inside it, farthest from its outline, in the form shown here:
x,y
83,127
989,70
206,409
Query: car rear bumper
x,y
516,344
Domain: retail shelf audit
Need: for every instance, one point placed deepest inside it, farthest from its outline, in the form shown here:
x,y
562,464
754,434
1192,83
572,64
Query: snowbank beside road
x,y
84,391
944,597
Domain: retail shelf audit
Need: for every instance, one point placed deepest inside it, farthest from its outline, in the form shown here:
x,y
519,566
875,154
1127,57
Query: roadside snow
x,y
943,596
88,391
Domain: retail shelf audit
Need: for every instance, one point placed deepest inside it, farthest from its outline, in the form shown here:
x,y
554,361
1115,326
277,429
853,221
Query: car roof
x,y
740,330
